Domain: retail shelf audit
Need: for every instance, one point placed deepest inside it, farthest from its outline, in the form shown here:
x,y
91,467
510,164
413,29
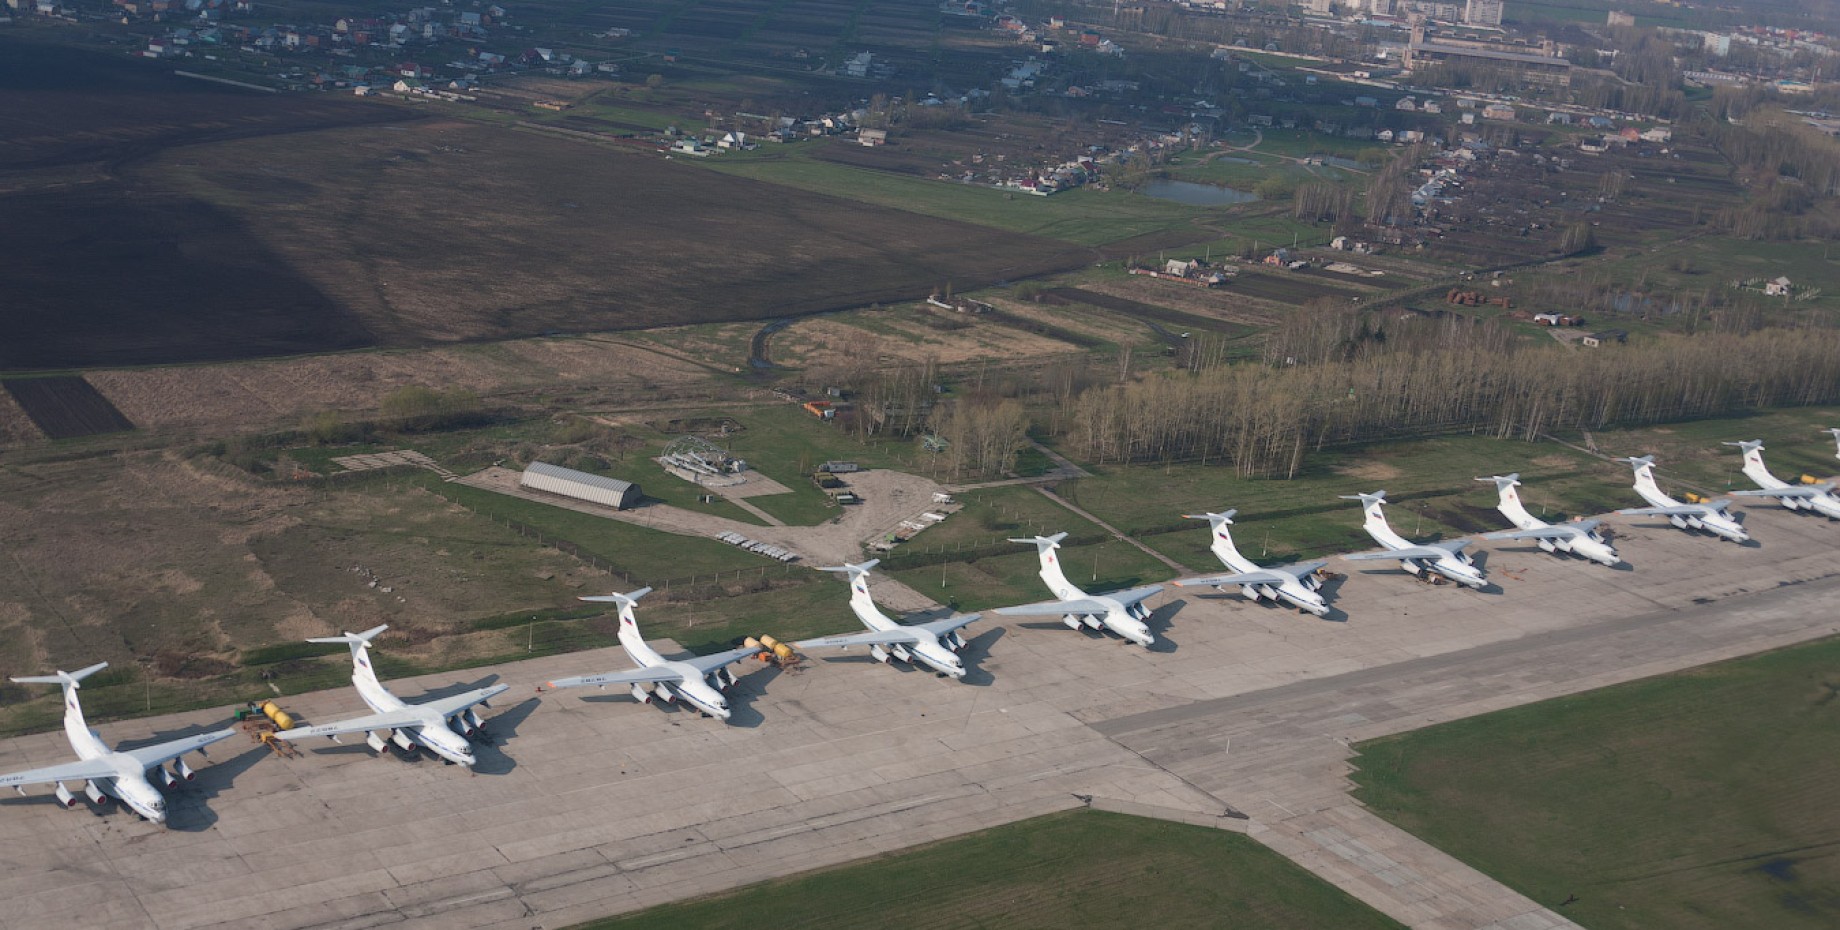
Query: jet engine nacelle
x,y
185,771
1251,592
640,694
900,652
1412,567
1138,611
167,779
1073,622
664,693
1094,621
1547,545
879,654
95,794
374,741
955,641
65,797
403,741
465,726
725,678
1683,522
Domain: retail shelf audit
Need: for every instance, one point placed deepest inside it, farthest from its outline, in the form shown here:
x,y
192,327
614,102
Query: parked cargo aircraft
x,y
406,725
1444,558
1710,517
1122,612
698,682
1296,585
1815,498
107,773
1580,538
934,644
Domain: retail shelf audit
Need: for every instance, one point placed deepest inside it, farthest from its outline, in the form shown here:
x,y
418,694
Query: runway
x,y
591,805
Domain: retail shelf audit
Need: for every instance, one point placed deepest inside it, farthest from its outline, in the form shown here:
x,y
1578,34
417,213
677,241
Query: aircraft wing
x,y
710,663
1134,595
1556,531
449,706
1683,510
1803,491
1085,605
956,622
1262,576
407,717
69,771
628,677
1409,552
150,756
865,638
1451,546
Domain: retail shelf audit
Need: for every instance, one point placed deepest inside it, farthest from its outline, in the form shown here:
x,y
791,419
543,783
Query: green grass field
x,y
1705,799
1085,217
998,581
1081,869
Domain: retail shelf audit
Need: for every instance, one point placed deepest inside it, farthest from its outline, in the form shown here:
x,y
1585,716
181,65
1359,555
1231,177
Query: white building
x,y
1482,12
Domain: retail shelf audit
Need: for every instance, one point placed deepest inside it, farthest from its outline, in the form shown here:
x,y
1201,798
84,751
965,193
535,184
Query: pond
x,y
1196,195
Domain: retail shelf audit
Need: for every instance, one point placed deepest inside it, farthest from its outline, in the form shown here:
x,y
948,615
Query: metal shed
x,y
612,492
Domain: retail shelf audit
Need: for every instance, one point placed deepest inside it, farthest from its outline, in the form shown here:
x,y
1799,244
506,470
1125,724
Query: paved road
x,y
591,805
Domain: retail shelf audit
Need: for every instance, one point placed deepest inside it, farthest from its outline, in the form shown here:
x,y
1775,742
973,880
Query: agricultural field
x,y
1073,870
531,234
64,407
1703,799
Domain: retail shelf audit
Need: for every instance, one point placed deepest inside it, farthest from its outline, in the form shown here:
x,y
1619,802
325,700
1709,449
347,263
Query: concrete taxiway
x,y
590,805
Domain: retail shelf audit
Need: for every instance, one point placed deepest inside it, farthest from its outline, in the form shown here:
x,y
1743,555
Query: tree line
x,y
1350,386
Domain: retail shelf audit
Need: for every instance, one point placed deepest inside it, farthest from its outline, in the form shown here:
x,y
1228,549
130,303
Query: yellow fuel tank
x,y
274,712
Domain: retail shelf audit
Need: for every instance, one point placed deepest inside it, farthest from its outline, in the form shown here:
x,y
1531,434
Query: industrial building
x,y
595,489
1532,65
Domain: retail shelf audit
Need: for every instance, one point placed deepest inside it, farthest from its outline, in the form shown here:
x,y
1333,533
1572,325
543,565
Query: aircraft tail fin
x,y
629,625
859,583
360,644
1051,572
1222,545
1510,503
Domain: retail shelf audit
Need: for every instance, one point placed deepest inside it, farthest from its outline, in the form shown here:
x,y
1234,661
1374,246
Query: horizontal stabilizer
x,y
352,638
68,679
860,568
624,600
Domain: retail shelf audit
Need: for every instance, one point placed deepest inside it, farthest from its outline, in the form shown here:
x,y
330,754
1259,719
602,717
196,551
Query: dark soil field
x,y
446,231
107,274
101,269
66,407
62,106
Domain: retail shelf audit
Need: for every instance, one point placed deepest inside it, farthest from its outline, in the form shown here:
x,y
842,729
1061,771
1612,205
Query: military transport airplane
x,y
698,682
1296,585
407,725
1445,558
1710,517
108,773
1580,538
1814,498
934,644
1122,612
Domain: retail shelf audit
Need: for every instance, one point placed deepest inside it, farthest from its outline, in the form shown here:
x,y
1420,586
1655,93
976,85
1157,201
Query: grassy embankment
x,y
1073,870
1704,799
